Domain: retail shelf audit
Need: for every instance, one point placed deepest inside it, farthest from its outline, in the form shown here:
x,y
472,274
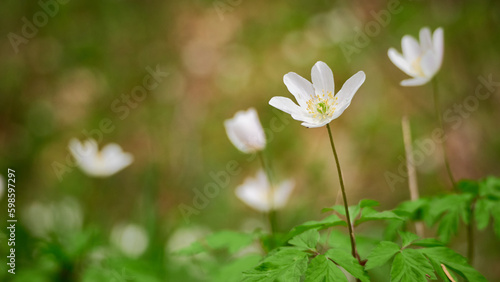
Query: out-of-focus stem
x,y
346,206
272,213
410,166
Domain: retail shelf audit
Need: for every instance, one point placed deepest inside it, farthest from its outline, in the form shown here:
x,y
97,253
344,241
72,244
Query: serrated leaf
x,y
381,254
412,206
482,212
411,266
428,242
323,270
307,240
286,264
453,261
408,238
234,270
353,210
368,203
490,187
348,262
230,240
369,214
332,220
447,211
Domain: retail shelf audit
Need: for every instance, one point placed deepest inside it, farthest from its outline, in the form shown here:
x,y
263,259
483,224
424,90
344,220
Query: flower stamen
x,y
323,105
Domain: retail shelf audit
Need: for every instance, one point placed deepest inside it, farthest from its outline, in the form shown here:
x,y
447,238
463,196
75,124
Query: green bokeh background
x,y
222,57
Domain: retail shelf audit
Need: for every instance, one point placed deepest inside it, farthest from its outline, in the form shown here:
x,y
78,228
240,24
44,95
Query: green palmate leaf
x,y
453,261
307,240
428,242
490,187
408,238
468,186
412,207
368,203
234,270
482,212
332,220
348,262
410,265
447,211
286,264
323,270
381,254
369,214
230,240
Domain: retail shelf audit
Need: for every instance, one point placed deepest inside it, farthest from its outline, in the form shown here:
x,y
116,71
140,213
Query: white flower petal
x,y
300,88
417,81
400,62
282,193
411,48
425,39
286,105
245,131
254,192
346,93
428,64
438,45
99,164
322,78
316,125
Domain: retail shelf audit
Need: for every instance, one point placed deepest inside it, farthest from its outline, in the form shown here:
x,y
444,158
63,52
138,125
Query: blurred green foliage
x,y
64,80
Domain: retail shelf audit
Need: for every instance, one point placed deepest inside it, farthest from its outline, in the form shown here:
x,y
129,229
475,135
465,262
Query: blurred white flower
x,y
318,105
184,237
131,239
245,131
64,218
93,162
257,193
421,60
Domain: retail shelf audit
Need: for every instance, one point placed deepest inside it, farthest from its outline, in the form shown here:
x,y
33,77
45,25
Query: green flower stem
x,y
346,206
440,120
272,213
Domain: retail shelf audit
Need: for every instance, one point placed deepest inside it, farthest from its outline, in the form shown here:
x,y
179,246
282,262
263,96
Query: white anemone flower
x,y
131,239
421,60
93,162
257,193
318,104
245,131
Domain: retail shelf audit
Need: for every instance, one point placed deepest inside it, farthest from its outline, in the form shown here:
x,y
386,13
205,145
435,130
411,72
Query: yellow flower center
x,y
417,66
322,105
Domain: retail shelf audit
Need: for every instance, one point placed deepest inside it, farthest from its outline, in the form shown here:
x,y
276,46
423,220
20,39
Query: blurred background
x,y
68,65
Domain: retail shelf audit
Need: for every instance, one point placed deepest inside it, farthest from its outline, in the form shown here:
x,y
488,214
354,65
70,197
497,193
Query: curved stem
x,y
272,213
440,120
346,206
